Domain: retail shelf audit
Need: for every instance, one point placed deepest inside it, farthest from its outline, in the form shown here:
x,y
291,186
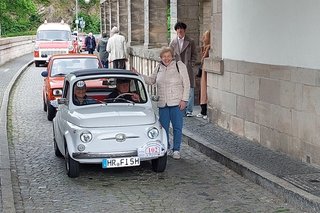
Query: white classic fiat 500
x,y
106,117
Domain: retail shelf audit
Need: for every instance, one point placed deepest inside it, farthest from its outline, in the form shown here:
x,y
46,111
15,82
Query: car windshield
x,y
109,91
64,66
53,35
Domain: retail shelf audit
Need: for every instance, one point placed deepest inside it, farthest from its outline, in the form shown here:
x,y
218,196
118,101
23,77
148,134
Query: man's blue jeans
x,y
190,101
174,115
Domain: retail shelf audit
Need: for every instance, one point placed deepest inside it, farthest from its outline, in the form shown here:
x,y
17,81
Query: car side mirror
x,y
44,74
62,101
155,98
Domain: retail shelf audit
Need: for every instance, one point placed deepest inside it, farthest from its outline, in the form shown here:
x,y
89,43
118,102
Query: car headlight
x,y
153,133
86,136
57,92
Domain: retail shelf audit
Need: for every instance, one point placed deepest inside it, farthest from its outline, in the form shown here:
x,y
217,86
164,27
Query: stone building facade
x,y
271,102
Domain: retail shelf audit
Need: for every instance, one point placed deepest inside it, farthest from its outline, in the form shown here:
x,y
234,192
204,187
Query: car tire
x,y
44,106
72,166
159,164
37,63
56,149
51,111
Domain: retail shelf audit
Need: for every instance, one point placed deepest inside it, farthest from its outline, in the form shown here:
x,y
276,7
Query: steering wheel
x,y
120,97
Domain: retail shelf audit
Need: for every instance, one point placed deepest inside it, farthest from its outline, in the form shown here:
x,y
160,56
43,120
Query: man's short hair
x,y
180,25
123,80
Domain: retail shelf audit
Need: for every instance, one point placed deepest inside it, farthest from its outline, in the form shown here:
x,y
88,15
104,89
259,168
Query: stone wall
x,y
11,48
276,106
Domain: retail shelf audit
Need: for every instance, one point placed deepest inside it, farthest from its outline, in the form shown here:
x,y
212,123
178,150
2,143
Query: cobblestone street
x,y
193,184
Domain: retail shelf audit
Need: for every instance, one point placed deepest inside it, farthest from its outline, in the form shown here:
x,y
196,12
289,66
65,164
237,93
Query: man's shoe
x,y
176,155
189,114
205,117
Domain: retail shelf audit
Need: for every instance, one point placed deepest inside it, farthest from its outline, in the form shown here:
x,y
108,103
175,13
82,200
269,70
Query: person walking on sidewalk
x,y
90,42
203,81
102,49
173,87
185,50
117,49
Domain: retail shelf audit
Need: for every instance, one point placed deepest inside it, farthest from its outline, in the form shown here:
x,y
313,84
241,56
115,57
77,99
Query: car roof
x,y
88,72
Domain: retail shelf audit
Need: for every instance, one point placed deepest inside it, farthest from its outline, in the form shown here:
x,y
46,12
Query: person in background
x,y
185,50
117,49
101,48
203,82
173,87
90,43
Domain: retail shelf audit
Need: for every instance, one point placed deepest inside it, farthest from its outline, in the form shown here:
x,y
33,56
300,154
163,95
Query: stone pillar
x,y
174,18
214,64
157,24
103,17
188,12
114,13
123,17
129,22
137,22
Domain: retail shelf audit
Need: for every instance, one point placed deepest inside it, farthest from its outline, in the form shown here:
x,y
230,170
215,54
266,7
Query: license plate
x,y
153,150
120,162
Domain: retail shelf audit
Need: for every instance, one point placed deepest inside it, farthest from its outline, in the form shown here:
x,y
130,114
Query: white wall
x,y
280,32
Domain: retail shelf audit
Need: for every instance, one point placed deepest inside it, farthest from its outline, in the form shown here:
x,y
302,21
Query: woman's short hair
x,y
165,50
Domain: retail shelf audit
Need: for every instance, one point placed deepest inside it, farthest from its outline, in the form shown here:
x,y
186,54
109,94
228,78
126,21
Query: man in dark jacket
x,y
103,54
90,43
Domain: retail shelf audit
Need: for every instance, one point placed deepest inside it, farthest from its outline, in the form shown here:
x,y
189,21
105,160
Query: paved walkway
x,y
297,182
9,72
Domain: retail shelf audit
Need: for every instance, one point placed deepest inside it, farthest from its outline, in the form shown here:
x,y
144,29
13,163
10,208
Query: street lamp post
x,y
77,20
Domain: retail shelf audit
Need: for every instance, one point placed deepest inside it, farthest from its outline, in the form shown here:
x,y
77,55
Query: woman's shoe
x,y
202,116
199,115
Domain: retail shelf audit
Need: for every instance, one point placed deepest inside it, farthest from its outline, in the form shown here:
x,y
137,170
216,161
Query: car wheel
x,y
51,111
159,164
72,166
56,148
44,106
37,63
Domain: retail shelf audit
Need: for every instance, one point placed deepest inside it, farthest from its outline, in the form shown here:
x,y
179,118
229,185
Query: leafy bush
x,y
18,16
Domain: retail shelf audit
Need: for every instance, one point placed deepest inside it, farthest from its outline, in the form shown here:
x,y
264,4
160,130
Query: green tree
x,y
18,16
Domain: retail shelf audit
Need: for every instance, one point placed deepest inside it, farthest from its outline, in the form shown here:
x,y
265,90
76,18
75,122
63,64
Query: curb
x,y
272,183
5,171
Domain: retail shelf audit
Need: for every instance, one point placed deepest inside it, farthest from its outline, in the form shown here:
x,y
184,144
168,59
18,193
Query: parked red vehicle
x,y
58,67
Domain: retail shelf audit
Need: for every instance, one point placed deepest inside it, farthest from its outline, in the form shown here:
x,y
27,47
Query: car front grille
x,y
89,155
53,52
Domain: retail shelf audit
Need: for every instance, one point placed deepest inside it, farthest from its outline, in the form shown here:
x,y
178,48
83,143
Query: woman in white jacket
x,y
173,87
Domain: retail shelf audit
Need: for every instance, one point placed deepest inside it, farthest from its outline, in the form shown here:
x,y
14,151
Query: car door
x,y
60,119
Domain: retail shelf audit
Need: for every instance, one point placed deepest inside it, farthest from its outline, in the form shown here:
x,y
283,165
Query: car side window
x,y
66,90
141,91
